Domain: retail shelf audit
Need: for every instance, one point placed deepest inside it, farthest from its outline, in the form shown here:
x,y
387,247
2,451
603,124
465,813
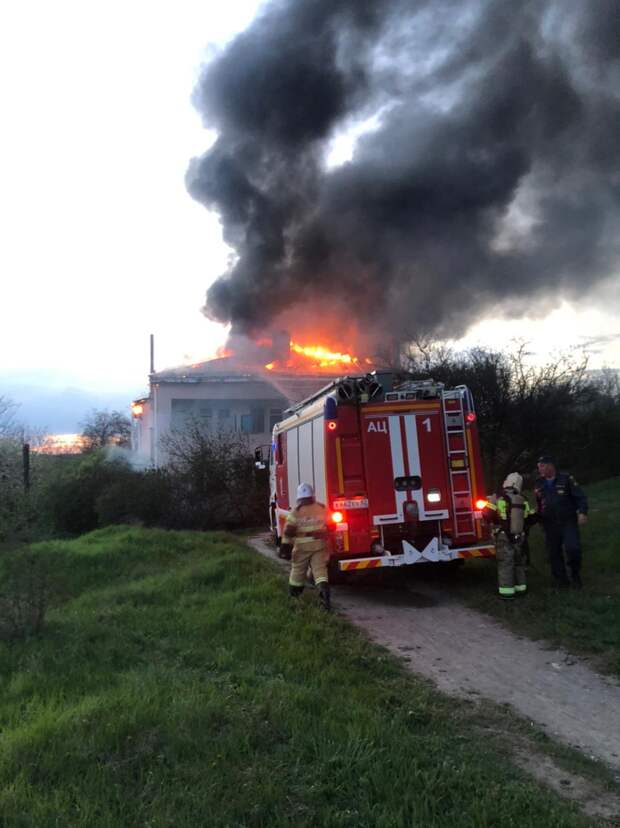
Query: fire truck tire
x,y
451,568
336,576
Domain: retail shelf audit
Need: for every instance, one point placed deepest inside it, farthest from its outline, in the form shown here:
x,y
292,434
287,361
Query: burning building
x,y
245,390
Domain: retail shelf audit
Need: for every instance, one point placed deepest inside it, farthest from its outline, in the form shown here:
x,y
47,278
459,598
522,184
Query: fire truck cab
x,y
397,463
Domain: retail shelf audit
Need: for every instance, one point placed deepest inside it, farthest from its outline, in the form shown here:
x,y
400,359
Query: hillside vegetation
x,y
586,621
174,685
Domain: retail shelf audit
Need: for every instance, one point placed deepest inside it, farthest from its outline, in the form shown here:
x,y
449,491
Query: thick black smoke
x,y
490,176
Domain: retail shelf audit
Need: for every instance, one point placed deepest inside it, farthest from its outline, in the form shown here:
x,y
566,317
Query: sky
x,y
101,244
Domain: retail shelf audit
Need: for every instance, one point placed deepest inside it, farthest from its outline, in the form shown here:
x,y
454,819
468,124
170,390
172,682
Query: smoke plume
x,y
488,177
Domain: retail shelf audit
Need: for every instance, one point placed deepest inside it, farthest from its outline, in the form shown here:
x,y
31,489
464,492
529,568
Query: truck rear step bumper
x,y
433,552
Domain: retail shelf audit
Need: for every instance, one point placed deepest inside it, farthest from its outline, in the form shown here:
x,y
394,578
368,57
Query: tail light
x,y
470,417
480,504
337,517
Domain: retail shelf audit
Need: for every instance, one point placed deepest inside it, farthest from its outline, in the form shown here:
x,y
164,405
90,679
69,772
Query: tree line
x,y
524,410
211,481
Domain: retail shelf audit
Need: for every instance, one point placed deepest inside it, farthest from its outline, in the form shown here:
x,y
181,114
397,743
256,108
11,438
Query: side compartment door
x,y
281,473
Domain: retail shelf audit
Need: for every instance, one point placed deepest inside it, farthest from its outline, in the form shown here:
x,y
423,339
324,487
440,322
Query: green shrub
x,y
70,498
137,497
29,584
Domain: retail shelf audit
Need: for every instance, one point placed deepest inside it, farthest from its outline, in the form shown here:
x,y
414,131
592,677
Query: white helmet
x,y
304,490
513,481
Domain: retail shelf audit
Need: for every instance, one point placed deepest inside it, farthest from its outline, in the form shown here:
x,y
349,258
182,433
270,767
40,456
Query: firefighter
x,y
511,515
305,531
562,507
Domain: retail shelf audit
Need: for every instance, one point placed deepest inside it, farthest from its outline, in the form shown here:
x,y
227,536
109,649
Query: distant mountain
x,y
61,410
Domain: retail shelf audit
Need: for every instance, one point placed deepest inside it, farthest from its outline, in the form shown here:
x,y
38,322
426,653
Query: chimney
x,y
152,354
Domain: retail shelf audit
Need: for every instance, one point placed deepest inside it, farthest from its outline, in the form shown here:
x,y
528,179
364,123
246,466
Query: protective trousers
x,y
311,554
511,565
561,540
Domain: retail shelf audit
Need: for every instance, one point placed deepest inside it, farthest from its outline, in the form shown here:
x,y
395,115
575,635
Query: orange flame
x,y
323,356
315,358
223,351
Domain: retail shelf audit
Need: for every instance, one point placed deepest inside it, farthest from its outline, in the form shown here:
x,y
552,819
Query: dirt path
x,y
469,654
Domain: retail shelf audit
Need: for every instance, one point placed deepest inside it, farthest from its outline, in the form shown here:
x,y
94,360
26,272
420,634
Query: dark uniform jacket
x,y
559,501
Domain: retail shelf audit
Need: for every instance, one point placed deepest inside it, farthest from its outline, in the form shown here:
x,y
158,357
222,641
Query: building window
x,y
258,420
223,414
254,422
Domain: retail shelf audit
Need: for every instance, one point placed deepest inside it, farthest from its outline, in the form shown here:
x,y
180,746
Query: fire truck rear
x,y
397,463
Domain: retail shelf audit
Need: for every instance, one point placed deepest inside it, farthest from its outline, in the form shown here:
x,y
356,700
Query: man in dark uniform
x,y
561,508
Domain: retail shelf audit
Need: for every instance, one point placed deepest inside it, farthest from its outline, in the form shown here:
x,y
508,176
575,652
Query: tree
x,y
215,481
105,428
524,410
7,416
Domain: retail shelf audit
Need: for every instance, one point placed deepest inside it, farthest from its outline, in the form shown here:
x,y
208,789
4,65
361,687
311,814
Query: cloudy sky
x,y
101,244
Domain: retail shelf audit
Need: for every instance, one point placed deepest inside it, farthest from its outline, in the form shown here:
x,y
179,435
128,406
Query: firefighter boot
x,y
295,591
324,596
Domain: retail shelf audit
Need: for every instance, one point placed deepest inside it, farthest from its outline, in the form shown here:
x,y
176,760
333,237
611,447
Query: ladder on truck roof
x,y
458,461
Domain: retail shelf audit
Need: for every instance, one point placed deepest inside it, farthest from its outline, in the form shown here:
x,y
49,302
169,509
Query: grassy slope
x,y
177,687
585,622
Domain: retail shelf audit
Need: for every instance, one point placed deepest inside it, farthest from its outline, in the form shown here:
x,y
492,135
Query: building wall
x,y
247,406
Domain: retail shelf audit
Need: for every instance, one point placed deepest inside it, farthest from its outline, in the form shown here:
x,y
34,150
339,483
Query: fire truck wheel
x,y
451,568
336,576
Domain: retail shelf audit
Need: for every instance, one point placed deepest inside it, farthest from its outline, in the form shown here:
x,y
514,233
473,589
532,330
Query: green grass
x,y
585,622
175,686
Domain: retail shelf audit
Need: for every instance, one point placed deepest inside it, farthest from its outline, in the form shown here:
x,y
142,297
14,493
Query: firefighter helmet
x,y
304,490
513,481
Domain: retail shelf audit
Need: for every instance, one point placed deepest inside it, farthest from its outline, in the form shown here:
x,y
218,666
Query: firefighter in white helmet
x,y
511,516
305,531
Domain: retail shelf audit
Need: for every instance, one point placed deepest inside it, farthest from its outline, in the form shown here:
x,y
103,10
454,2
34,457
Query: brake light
x,y
470,417
337,517
331,425
481,504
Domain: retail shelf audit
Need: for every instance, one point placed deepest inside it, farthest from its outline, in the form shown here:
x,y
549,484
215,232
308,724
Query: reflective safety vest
x,y
306,526
510,513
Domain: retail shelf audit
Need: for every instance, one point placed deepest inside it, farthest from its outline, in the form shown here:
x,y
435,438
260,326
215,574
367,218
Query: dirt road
x,y
469,654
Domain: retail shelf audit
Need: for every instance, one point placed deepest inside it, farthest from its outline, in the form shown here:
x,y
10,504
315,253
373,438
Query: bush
x,y
137,497
215,482
29,585
70,498
98,491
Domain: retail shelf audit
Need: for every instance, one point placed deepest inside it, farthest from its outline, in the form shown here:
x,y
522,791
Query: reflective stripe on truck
x,y
432,553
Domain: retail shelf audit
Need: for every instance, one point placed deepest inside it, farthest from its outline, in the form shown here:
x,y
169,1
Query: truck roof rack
x,y
317,395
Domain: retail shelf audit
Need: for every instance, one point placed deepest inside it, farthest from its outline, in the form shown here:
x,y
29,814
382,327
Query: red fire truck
x,y
397,463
